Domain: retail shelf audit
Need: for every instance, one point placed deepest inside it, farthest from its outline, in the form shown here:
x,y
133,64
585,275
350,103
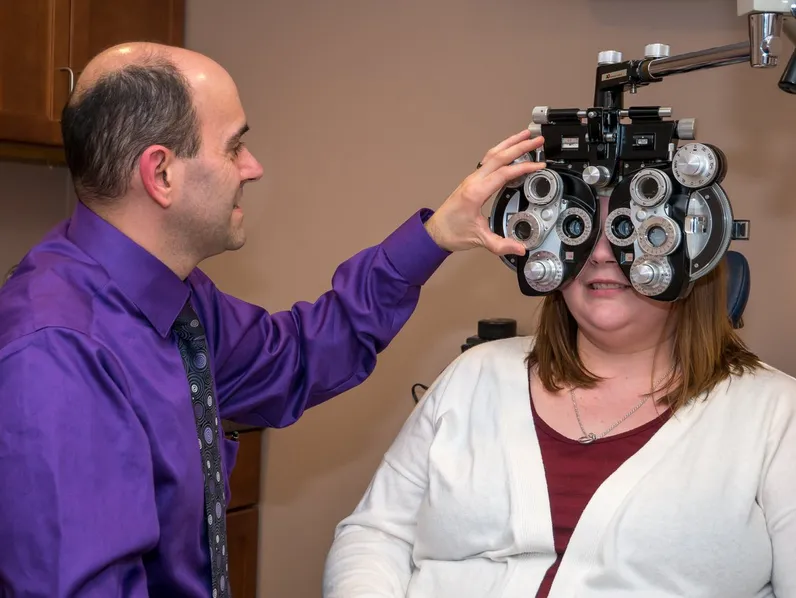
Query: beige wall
x,y
361,113
32,199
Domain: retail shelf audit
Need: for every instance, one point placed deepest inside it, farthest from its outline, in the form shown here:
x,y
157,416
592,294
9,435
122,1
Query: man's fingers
x,y
509,154
503,175
513,152
502,246
509,141
506,143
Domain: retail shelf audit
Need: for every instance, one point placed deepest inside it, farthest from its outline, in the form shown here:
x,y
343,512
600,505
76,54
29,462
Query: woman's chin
x,y
619,311
628,316
621,326
607,325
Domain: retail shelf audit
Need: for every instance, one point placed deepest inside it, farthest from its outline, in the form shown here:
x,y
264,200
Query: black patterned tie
x,y
193,348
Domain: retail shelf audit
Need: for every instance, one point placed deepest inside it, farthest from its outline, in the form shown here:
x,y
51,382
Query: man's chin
x,y
236,242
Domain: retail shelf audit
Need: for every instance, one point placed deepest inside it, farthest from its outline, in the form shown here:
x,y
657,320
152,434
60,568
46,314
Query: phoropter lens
x,y
574,226
656,236
622,227
523,230
541,187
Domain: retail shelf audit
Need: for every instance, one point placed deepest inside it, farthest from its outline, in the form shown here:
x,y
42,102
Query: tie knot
x,y
188,320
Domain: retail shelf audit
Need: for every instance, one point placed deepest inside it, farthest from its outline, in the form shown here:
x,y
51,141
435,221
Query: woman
x,y
631,448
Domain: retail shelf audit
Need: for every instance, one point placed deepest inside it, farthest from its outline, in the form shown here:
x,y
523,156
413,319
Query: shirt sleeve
x,y
270,368
371,554
77,506
778,500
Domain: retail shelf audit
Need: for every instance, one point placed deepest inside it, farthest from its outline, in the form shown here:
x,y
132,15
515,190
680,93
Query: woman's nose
x,y
602,254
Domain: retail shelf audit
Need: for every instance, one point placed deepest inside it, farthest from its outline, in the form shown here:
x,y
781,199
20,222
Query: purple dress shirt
x,y
101,490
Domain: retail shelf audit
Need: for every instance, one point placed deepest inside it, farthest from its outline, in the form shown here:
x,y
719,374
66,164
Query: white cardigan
x,y
459,507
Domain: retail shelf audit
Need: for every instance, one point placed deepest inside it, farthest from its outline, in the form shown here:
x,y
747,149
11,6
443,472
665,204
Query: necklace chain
x,y
589,437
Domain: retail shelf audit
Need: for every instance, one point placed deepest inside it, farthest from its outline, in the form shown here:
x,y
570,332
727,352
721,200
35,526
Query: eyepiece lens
x,y
574,227
656,236
541,187
648,188
523,230
622,227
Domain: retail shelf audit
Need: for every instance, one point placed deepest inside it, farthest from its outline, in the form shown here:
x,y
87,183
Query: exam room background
x,y
363,111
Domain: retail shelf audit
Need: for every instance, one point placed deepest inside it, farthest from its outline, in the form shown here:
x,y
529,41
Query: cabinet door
x,y
242,534
34,45
244,481
99,24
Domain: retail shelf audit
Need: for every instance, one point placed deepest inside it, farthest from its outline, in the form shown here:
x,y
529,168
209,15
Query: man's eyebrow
x,y
233,141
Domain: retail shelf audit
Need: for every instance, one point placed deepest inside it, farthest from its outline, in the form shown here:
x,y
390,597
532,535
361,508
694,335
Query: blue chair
x,y
738,287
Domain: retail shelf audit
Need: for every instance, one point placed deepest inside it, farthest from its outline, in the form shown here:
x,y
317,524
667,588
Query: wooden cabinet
x,y
242,539
44,46
243,516
34,45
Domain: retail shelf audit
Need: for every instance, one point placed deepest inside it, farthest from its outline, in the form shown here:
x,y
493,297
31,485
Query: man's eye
x,y
237,149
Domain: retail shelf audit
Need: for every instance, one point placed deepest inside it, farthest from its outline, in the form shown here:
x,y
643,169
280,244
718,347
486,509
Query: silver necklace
x,y
589,437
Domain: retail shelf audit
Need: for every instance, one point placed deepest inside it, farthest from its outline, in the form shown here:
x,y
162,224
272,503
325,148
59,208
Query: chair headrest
x,y
738,287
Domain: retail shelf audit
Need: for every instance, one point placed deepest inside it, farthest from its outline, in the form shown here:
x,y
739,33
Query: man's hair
x,y
108,126
706,348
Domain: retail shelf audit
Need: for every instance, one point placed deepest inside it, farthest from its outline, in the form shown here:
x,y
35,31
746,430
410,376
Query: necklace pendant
x,y
587,439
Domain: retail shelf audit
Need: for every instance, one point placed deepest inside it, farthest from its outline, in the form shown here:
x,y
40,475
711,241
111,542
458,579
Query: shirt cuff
x,y
412,250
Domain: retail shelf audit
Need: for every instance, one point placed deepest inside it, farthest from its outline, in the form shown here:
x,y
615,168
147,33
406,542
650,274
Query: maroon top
x,y
574,472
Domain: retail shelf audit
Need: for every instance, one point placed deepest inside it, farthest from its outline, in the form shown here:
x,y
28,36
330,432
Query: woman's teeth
x,y
606,285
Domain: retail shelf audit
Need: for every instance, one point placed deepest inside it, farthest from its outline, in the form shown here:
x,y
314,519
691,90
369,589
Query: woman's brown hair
x,y
707,349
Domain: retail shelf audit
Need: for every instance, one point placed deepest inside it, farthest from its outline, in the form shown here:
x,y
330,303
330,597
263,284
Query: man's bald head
x,y
195,67
128,98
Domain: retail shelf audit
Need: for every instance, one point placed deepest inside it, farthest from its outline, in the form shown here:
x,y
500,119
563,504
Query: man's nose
x,y
252,170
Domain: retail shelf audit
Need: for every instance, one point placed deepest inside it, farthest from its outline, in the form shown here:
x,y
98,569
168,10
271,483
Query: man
x,y
118,356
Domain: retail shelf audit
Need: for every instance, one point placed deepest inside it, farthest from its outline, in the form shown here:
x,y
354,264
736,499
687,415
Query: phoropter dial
x,y
543,271
650,275
697,165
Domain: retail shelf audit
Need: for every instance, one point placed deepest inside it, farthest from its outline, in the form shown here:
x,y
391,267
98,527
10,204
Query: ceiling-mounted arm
x,y
769,21
787,82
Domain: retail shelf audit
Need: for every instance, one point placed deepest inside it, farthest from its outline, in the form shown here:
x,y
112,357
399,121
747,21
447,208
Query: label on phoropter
x,y
614,75
644,140
570,143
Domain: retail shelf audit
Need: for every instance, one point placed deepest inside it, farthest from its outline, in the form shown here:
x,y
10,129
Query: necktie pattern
x,y
193,349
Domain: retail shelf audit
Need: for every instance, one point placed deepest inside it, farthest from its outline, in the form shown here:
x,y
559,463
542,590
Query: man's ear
x,y
157,170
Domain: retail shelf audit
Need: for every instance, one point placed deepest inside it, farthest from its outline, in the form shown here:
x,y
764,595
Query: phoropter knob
x,y
650,276
543,271
609,57
656,51
644,274
596,176
686,129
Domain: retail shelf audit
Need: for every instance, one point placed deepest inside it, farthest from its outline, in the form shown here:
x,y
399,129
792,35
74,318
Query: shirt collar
x,y
155,289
